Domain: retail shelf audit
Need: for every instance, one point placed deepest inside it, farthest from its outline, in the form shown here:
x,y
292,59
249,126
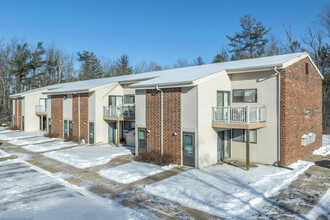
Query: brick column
x,y
57,114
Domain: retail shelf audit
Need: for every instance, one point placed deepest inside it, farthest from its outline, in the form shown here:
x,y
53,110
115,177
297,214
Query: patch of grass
x,y
52,135
156,158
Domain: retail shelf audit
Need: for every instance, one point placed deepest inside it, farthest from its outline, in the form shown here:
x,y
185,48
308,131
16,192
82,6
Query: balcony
x,y
115,113
239,117
41,110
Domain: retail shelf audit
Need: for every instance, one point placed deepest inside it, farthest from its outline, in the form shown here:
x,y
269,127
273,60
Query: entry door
x,y
224,150
189,149
142,146
116,101
112,132
222,101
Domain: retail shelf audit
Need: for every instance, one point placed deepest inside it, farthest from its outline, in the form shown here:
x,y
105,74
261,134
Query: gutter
x,y
278,78
161,120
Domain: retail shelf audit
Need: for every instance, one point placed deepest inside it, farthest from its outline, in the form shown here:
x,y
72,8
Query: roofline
x,y
164,85
15,96
66,92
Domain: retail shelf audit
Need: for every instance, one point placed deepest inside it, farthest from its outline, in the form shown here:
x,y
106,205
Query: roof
x,y
178,76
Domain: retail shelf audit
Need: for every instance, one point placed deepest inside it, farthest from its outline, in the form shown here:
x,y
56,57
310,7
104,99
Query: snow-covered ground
x,y
131,172
321,208
31,193
87,156
325,149
33,140
19,134
4,154
49,146
227,191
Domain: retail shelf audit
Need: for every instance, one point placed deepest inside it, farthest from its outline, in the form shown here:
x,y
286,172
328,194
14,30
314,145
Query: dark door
x,y
65,129
44,123
189,149
91,132
224,150
142,143
112,132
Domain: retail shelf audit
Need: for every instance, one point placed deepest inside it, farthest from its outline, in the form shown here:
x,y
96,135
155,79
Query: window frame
x,y
129,95
244,101
244,136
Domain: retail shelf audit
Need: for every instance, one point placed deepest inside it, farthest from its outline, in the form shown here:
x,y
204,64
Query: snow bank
x,y
131,172
34,140
30,194
4,154
322,151
19,134
227,191
87,156
49,146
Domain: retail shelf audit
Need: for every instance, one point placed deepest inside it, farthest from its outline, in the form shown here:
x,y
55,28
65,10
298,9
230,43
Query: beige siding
x,y
49,107
91,107
265,151
14,106
67,108
140,113
31,120
189,109
207,136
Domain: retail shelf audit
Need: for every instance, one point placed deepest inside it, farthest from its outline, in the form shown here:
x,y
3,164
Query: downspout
x,y
161,119
278,78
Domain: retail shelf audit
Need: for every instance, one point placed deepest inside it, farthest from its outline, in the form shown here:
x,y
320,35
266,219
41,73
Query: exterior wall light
x,y
175,134
148,130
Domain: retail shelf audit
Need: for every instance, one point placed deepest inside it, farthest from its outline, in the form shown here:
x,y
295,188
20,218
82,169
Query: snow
x,y
49,146
225,190
325,149
31,193
322,208
87,156
4,154
131,172
19,135
34,140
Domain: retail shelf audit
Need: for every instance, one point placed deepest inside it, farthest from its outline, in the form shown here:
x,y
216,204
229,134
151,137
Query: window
x,y
91,132
70,128
115,100
240,135
129,125
65,128
245,95
306,68
129,99
49,125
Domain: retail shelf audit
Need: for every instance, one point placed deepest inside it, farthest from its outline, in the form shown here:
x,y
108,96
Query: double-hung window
x,y
245,95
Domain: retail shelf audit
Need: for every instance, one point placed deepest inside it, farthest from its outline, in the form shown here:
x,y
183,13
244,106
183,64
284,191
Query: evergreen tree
x,y
91,67
199,61
250,40
123,67
37,61
221,57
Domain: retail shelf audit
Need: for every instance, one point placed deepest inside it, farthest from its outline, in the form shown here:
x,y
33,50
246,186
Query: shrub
x,y
156,158
52,135
72,138
14,127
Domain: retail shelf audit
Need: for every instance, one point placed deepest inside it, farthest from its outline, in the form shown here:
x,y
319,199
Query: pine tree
x,y
221,57
250,40
37,61
91,67
199,61
123,67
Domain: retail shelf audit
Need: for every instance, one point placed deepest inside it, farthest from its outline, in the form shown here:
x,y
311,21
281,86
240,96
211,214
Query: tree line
x,y
24,66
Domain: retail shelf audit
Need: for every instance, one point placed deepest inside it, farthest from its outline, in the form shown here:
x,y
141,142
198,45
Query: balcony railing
x,y
239,115
40,109
119,111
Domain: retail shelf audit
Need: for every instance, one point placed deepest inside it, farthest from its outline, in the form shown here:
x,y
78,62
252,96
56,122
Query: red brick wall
x,y
171,121
83,116
299,92
57,114
75,116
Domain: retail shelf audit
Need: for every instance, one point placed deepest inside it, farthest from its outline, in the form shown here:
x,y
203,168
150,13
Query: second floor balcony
x,y
239,117
40,110
119,112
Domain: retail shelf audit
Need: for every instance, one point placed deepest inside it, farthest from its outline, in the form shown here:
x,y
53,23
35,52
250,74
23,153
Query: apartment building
x,y
261,110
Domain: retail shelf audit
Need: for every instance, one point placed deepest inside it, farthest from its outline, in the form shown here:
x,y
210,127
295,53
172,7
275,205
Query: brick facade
x,y
300,91
18,113
80,109
57,114
171,121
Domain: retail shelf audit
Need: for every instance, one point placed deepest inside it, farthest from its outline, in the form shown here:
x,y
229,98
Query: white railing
x,y
40,109
239,115
119,111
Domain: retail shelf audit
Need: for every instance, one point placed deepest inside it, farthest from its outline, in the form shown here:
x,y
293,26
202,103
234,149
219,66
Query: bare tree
x,y
324,18
181,62
293,45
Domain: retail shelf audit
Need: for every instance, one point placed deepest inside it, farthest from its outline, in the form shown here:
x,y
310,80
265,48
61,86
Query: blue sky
x,y
152,30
